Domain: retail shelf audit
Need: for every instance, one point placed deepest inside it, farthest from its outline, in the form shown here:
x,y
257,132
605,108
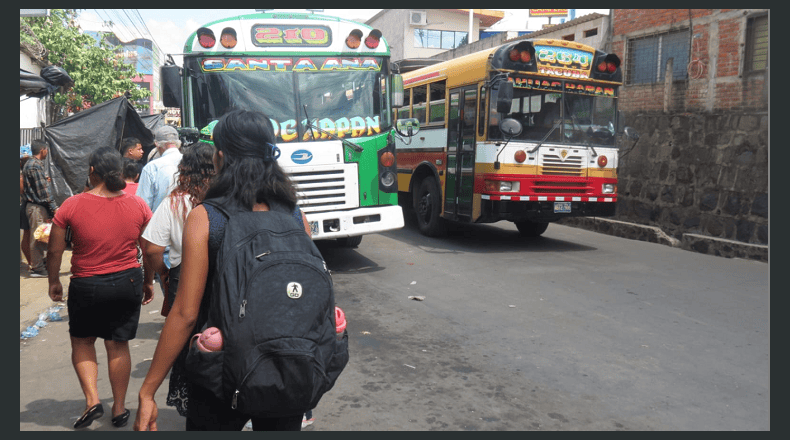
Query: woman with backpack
x,y
106,287
248,179
166,228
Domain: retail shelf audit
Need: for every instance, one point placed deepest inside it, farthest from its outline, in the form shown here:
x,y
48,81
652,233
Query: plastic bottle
x,y
30,332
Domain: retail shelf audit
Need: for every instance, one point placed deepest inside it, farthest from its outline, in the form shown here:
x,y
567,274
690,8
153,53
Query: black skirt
x,y
106,306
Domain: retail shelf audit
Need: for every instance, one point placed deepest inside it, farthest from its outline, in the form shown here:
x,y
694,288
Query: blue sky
x,y
170,27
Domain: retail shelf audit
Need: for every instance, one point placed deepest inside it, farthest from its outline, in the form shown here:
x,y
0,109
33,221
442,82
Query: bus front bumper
x,y
360,221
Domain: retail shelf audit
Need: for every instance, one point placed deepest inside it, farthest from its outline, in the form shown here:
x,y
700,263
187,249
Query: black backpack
x,y
273,301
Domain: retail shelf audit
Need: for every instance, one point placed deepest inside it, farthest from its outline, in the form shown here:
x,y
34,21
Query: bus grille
x,y
326,188
553,165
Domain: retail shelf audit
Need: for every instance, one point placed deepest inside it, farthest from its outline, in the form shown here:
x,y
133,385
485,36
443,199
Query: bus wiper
x,y
545,137
353,146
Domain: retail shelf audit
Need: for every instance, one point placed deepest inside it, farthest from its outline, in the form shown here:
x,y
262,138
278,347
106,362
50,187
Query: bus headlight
x,y
608,188
501,186
388,178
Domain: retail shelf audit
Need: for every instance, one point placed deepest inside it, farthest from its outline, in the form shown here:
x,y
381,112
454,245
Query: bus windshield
x,y
588,119
348,103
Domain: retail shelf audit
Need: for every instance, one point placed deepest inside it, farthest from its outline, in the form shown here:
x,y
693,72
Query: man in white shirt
x,y
159,176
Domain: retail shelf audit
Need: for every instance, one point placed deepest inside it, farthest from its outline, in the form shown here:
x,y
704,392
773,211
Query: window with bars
x,y
648,56
756,57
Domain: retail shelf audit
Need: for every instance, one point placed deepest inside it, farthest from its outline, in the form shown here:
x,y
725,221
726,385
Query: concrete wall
x,y
701,165
32,111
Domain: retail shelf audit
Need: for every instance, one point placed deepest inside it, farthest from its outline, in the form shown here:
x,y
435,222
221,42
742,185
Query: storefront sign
x,y
548,12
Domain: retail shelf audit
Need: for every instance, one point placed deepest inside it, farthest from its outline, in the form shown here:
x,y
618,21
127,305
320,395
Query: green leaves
x,y
98,73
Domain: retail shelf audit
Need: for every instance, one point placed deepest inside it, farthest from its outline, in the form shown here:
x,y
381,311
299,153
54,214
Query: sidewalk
x,y
50,398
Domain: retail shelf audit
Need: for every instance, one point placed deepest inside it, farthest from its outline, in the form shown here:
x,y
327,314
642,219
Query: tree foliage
x,y
97,68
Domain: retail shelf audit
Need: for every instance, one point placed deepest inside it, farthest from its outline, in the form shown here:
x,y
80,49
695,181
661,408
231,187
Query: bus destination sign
x,y
291,36
563,61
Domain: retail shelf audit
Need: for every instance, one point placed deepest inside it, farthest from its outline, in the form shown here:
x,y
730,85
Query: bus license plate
x,y
562,206
313,228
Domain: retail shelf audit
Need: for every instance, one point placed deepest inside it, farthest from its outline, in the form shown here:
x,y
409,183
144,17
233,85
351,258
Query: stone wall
x,y
698,173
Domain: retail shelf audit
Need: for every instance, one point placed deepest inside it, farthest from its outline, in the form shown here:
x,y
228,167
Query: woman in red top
x,y
106,286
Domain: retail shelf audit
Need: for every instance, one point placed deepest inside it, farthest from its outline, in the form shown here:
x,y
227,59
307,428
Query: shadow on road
x,y
346,260
480,238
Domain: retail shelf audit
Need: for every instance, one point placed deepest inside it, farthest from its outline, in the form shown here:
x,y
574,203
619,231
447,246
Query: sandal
x,y
89,416
120,420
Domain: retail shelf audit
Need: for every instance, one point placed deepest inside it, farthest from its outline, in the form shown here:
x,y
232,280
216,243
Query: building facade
x,y
423,33
591,29
146,58
696,89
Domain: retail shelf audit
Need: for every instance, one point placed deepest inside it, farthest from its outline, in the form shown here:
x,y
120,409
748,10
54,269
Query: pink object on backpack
x,y
210,340
340,320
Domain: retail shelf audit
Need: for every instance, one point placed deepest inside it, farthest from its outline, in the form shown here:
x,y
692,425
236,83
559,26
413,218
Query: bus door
x,y
460,153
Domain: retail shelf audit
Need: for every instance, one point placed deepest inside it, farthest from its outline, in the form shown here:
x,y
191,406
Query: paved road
x,y
572,331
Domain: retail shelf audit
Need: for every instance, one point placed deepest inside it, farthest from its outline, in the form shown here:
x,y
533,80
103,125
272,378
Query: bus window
x,y
419,94
437,103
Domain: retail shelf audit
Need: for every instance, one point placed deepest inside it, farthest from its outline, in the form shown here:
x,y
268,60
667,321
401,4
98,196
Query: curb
x,y
702,244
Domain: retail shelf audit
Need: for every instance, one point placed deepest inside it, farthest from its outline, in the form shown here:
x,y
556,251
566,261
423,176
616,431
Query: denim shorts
x,y
106,306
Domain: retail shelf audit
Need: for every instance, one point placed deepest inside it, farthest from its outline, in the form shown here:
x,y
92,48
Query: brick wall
x,y
701,165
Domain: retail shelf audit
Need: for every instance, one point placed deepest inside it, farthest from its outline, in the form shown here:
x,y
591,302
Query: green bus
x,y
325,83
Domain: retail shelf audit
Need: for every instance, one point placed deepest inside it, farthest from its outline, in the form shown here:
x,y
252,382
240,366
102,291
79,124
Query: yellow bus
x,y
523,132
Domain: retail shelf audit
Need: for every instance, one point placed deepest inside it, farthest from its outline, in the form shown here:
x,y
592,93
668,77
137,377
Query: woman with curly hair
x,y
166,229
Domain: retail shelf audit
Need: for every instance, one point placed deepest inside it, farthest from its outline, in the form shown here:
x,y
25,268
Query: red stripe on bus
x,y
420,78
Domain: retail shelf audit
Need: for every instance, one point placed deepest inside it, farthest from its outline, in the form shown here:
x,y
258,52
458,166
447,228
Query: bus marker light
x,y
206,38
520,156
372,41
388,178
387,159
602,161
354,38
525,57
228,38
514,55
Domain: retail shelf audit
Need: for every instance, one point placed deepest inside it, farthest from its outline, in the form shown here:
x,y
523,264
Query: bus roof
x,y
283,33
474,67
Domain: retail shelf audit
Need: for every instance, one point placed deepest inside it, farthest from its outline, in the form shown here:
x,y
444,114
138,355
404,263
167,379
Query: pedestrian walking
x,y
24,224
40,204
132,148
247,177
166,228
106,286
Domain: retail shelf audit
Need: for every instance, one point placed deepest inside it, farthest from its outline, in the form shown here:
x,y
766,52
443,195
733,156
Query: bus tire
x,y
531,229
349,242
427,208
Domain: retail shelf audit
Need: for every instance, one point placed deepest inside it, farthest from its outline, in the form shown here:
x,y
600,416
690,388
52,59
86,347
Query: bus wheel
x,y
531,229
350,242
427,204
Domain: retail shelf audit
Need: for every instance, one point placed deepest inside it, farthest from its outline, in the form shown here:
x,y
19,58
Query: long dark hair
x,y
250,173
107,166
194,174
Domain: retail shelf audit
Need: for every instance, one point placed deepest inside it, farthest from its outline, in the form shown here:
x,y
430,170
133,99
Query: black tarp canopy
x,y
40,86
72,140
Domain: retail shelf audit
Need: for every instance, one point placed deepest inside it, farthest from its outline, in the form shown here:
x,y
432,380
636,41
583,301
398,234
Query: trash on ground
x,y
417,298
414,282
30,332
410,366
511,306
365,333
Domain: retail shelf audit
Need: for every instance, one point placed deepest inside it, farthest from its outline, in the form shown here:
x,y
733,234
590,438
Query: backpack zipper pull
x,y
235,400
243,310
263,254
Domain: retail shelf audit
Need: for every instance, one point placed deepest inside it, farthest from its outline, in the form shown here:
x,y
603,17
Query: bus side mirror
x,y
397,90
504,97
171,85
407,127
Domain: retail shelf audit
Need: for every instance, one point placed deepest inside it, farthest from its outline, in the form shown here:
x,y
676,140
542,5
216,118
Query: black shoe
x,y
120,420
39,273
89,416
